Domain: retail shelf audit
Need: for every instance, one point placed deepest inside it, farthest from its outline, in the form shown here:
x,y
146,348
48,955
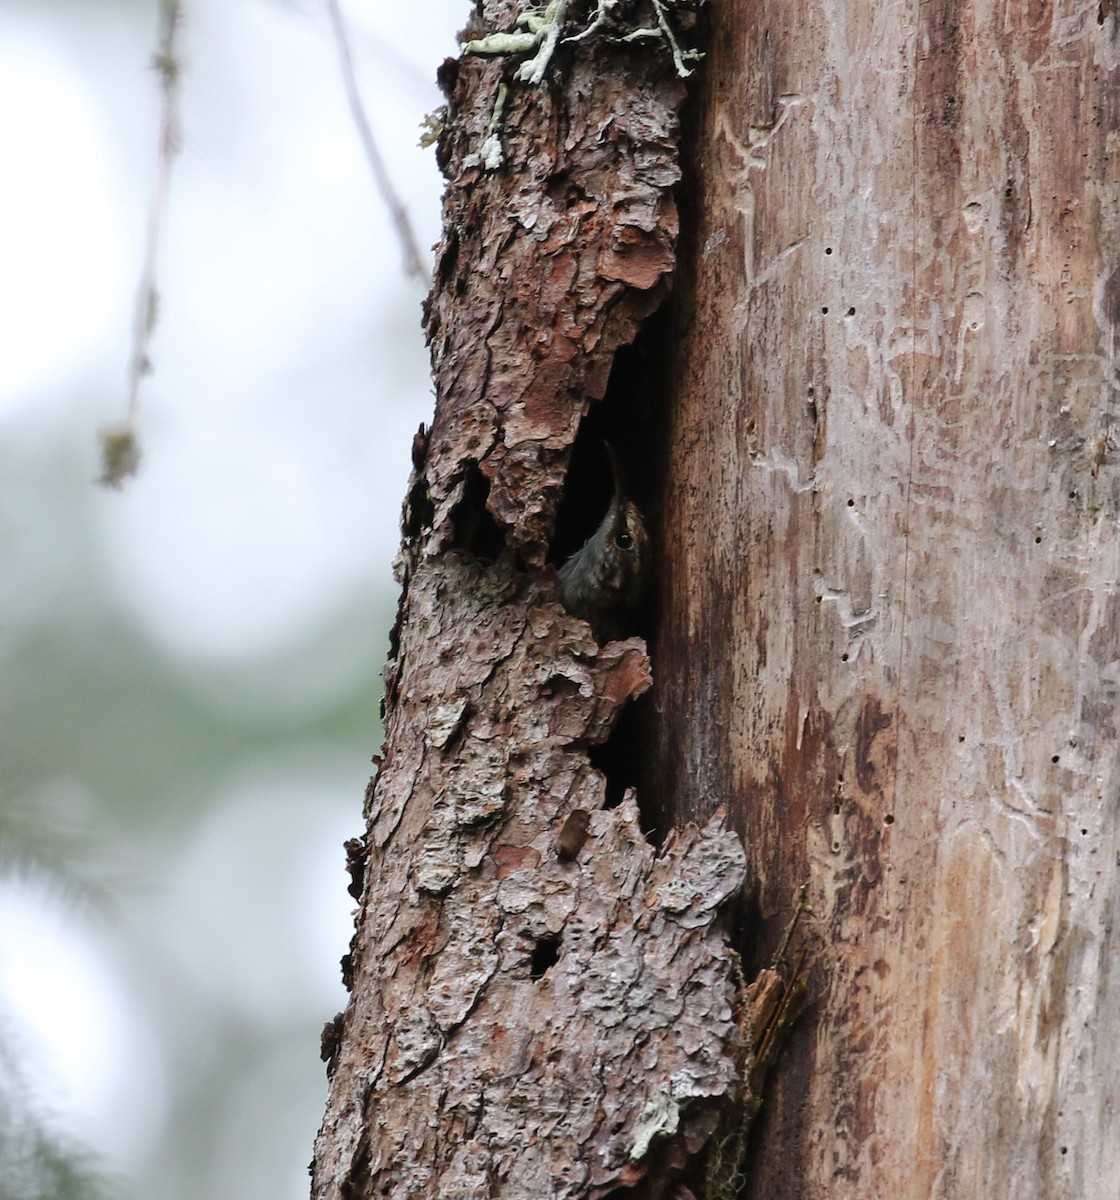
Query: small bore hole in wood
x,y
828,249
1037,541
1055,758
888,819
851,504
545,954
844,657
851,312
824,309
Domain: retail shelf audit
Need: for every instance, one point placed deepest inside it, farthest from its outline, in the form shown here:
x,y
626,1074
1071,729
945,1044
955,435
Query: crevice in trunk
x,y
476,531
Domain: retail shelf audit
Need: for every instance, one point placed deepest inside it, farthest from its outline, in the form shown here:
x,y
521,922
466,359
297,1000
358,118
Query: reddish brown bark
x,y
529,1016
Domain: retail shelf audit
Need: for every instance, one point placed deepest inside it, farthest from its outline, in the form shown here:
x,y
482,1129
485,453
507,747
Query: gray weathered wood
x,y
889,632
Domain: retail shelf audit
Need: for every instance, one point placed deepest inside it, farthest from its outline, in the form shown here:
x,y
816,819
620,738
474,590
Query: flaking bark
x,y
522,1025
545,269
526,1020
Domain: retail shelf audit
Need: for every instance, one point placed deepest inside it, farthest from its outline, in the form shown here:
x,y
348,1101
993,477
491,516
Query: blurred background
x,y
190,667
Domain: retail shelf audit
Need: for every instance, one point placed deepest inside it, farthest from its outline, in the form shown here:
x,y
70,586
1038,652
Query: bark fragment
x,y
546,267
529,1017
479,1065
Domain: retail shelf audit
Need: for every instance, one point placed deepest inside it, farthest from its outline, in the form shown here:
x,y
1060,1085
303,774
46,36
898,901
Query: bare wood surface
x,y
895,481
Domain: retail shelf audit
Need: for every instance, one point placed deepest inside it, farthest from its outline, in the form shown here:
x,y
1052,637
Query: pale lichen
x,y
539,32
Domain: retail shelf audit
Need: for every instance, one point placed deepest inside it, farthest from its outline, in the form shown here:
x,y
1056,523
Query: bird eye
x,y
624,541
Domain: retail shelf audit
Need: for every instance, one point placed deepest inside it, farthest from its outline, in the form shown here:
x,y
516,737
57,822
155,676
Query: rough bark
x,y
542,1004
895,480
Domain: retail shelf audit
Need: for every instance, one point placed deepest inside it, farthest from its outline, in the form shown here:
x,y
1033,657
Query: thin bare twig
x,y
120,449
413,261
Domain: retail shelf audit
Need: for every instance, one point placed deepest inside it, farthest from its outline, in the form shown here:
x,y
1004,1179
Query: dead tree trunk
x,y
533,1013
877,424
889,637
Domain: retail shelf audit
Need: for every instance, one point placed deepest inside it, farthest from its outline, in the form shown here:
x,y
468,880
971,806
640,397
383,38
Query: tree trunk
x,y
888,637
542,1004
876,427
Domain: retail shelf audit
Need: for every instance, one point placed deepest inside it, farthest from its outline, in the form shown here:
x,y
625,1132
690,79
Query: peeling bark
x,y
521,1023
545,269
542,1003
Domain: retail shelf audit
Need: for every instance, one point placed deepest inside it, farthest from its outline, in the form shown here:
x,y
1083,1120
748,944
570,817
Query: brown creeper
x,y
604,580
